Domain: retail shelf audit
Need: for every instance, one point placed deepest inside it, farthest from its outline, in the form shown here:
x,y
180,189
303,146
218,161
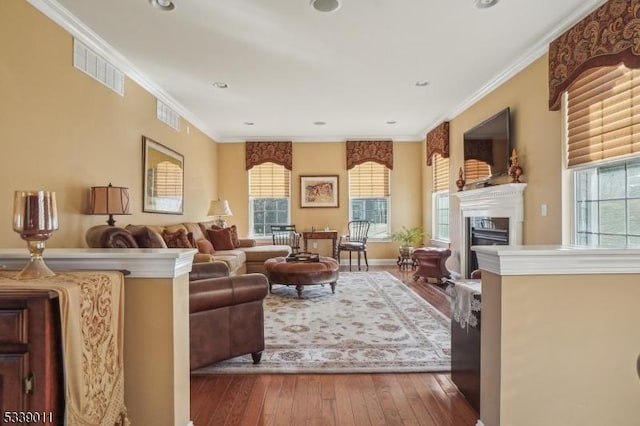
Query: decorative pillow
x,y
205,246
220,238
234,236
178,239
146,237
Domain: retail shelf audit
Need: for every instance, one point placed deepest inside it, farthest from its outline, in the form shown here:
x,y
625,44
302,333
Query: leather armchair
x,y
226,317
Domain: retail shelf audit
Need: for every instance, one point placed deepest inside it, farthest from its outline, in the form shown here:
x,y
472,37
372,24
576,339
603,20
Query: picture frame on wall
x,y
163,178
319,191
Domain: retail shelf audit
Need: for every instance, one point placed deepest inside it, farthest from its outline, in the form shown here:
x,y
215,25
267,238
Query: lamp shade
x,y
109,200
219,208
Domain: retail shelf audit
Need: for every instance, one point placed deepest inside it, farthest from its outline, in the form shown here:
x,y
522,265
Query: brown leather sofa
x,y
226,317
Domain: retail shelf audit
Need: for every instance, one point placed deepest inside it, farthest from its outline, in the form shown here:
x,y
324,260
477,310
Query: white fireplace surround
x,y
493,201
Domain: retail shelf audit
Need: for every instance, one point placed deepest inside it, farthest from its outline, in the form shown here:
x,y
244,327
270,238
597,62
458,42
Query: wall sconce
x,y
220,208
109,200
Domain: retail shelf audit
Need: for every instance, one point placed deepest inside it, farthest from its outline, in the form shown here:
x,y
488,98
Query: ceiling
x,y
288,66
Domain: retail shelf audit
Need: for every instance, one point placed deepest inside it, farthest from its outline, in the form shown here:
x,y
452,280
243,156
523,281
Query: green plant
x,y
408,236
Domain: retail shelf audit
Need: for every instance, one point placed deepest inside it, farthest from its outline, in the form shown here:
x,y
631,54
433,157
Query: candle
x,y
35,213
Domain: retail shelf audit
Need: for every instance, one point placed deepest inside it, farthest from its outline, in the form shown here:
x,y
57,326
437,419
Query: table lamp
x,y
111,200
220,208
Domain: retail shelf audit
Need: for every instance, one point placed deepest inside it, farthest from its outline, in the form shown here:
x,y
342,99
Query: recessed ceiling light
x,y
391,122
319,123
165,5
485,4
325,5
220,85
422,83
249,123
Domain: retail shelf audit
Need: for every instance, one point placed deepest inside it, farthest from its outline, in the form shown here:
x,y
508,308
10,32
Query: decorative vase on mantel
x,y
515,171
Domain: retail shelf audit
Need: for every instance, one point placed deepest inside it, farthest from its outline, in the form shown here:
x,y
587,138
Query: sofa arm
x,y
203,271
247,242
215,293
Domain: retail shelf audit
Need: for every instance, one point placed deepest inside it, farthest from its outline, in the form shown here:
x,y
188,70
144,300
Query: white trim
x,y
493,201
141,263
61,16
554,260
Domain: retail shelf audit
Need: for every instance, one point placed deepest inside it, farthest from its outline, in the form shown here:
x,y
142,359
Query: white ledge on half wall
x,y
553,260
141,263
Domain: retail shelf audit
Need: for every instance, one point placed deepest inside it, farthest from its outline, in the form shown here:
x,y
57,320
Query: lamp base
x,y
221,222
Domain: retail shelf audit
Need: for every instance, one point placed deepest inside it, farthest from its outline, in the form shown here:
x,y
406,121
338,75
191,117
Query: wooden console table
x,y
322,235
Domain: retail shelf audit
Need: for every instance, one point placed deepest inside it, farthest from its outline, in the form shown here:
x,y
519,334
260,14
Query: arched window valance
x,y
608,36
359,152
262,152
438,142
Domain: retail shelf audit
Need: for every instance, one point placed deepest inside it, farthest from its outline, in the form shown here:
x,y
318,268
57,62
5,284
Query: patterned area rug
x,y
373,324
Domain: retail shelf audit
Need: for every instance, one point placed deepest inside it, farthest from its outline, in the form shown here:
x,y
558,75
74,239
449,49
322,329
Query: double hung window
x,y
369,197
440,198
603,145
269,198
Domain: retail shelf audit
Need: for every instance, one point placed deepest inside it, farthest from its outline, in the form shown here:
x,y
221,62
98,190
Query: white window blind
x,y
369,179
603,115
440,173
269,180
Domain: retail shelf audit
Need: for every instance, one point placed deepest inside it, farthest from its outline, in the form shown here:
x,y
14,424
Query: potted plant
x,y
408,237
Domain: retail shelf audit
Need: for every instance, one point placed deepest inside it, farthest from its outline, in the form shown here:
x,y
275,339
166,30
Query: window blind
x,y
440,173
269,180
603,115
369,179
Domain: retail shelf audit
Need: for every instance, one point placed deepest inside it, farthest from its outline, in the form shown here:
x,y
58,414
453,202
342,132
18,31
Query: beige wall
x,y
329,158
570,359
538,139
61,130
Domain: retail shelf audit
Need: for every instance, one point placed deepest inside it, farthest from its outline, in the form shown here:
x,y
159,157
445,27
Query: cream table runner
x,y
92,319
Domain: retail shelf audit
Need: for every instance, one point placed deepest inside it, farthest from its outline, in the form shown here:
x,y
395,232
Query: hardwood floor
x,y
335,399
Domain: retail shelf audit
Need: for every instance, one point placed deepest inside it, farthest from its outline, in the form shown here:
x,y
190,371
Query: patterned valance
x,y
608,36
262,152
359,152
438,142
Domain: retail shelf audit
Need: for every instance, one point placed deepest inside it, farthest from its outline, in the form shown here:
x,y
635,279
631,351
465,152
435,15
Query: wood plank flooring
x,y
429,399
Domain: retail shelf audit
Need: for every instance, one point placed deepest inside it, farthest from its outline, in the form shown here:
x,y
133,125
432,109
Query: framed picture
x,y
163,178
319,191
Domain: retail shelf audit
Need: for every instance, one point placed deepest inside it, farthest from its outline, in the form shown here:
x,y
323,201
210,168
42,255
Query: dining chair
x,y
286,235
355,241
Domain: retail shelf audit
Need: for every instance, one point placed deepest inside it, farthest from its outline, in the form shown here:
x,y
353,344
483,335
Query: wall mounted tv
x,y
487,148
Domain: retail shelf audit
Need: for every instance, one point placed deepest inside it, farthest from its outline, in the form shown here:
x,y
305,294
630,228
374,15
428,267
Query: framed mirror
x,y
163,178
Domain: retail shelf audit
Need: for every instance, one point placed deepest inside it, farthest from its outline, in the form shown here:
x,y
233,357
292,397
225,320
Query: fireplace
x,y
496,213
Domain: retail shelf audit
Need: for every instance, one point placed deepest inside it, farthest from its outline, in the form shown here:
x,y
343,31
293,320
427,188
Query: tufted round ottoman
x,y
279,271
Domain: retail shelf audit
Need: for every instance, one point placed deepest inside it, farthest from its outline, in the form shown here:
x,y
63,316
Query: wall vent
x,y
90,63
167,115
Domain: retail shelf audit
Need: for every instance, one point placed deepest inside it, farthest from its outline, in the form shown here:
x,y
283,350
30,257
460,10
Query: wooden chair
x,y
355,241
286,235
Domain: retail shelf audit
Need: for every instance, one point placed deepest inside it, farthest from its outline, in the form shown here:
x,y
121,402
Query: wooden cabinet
x,y
31,376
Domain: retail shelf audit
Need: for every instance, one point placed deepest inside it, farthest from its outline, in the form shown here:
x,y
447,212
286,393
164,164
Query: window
x,y
440,198
369,197
269,200
603,150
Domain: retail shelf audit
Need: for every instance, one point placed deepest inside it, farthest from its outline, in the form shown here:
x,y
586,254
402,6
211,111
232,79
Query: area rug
x,y
372,324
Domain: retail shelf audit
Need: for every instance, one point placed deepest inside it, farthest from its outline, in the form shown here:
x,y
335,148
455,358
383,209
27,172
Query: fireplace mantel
x,y
493,201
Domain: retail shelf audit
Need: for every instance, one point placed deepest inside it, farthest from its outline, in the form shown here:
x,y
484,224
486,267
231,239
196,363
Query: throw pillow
x,y
178,239
205,246
234,236
146,237
220,238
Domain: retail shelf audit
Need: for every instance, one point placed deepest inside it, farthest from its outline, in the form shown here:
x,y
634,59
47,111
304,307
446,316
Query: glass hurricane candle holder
x,y
35,217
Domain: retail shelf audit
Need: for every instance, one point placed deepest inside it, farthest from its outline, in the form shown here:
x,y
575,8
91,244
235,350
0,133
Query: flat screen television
x,y
487,148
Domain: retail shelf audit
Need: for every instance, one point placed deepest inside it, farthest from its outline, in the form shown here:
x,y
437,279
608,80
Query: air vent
x,y
167,115
90,63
